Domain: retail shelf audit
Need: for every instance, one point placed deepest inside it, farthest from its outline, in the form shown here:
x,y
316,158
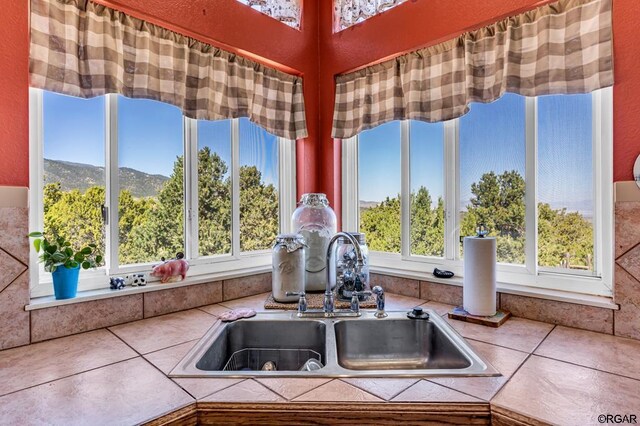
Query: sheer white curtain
x,y
285,11
350,12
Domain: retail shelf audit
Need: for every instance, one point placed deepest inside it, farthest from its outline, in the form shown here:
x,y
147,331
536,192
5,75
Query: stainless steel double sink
x,y
346,347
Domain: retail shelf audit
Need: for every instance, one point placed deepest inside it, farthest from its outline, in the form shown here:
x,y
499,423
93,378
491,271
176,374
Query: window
x,y
536,172
379,187
144,182
492,169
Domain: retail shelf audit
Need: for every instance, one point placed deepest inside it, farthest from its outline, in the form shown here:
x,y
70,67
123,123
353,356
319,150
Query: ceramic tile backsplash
x,y
14,320
246,286
64,320
14,224
14,261
11,268
627,227
443,293
627,295
554,312
627,268
397,285
181,298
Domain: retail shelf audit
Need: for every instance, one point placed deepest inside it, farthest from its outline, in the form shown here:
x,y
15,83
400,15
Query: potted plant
x,y
64,262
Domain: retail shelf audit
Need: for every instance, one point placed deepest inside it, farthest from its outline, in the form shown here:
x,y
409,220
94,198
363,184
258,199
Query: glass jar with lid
x,y
287,267
343,271
316,221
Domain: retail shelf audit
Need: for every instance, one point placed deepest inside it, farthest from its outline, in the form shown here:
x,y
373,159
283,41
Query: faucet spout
x,y
329,304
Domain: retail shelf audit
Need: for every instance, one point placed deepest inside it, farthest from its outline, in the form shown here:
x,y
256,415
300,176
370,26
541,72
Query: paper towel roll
x,y
479,284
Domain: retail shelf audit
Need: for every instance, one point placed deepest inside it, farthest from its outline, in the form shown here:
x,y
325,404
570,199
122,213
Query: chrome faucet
x,y
329,304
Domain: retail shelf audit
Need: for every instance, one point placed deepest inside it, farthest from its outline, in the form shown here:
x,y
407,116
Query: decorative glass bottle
x,y
316,221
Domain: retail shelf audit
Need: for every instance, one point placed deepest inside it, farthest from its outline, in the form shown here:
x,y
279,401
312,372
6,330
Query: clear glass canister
x,y
343,267
316,221
288,256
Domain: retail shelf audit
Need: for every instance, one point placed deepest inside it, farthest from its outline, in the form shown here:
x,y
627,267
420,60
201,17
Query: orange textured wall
x,y
14,94
224,23
318,54
420,23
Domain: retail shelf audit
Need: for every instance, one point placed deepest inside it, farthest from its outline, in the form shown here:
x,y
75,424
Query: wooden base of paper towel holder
x,y
493,321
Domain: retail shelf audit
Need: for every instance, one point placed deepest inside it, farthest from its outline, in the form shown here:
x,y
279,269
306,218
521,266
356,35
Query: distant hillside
x,y
82,176
368,204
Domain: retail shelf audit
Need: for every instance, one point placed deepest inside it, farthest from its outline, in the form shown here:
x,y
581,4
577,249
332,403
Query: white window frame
x,y
234,262
404,263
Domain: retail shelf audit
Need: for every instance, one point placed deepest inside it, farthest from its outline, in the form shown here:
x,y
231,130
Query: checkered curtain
x,y
563,47
84,49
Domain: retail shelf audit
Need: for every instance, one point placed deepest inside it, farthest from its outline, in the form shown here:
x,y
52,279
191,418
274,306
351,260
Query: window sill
x,y
105,293
519,290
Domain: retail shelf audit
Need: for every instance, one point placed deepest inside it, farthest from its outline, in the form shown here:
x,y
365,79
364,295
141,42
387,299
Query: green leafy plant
x,y
57,251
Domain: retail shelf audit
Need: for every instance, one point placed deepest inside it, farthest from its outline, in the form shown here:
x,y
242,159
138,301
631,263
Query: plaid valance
x,y
560,48
84,49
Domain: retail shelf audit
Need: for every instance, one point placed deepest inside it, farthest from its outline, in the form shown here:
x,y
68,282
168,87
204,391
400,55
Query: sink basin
x,y
365,346
396,344
251,344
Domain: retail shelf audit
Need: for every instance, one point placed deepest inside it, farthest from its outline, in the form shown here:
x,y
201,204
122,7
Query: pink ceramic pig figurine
x,y
171,268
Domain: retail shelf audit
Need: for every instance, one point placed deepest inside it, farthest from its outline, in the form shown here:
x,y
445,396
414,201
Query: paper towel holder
x,y
481,231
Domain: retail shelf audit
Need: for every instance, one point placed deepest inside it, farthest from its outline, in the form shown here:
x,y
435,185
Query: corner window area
x,y
143,182
536,172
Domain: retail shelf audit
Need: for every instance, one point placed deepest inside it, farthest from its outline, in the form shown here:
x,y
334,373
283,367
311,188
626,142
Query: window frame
x,y
530,274
234,262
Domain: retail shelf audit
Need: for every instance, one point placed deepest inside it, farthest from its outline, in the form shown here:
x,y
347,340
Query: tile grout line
x,y
20,261
168,347
501,346
457,390
331,379
16,278
273,390
586,366
398,393
523,363
626,251
219,390
364,390
154,366
633,277
213,315
359,388
155,350
71,375
122,340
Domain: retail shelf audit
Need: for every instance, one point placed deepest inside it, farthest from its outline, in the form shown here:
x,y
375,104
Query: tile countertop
x,y
550,374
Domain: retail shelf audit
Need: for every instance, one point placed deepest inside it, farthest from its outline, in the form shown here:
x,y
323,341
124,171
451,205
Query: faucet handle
x,y
355,299
379,292
302,301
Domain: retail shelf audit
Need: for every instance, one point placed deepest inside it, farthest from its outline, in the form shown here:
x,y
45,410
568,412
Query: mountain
x,y
82,176
365,205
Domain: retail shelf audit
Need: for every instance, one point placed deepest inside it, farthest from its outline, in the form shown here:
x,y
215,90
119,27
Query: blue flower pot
x,y
65,282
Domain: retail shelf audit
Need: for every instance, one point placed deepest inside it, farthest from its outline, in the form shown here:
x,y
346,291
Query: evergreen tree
x,y
381,224
259,223
214,204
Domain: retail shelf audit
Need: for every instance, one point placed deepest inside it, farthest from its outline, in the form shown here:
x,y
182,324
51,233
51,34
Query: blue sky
x,y
149,135
492,138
